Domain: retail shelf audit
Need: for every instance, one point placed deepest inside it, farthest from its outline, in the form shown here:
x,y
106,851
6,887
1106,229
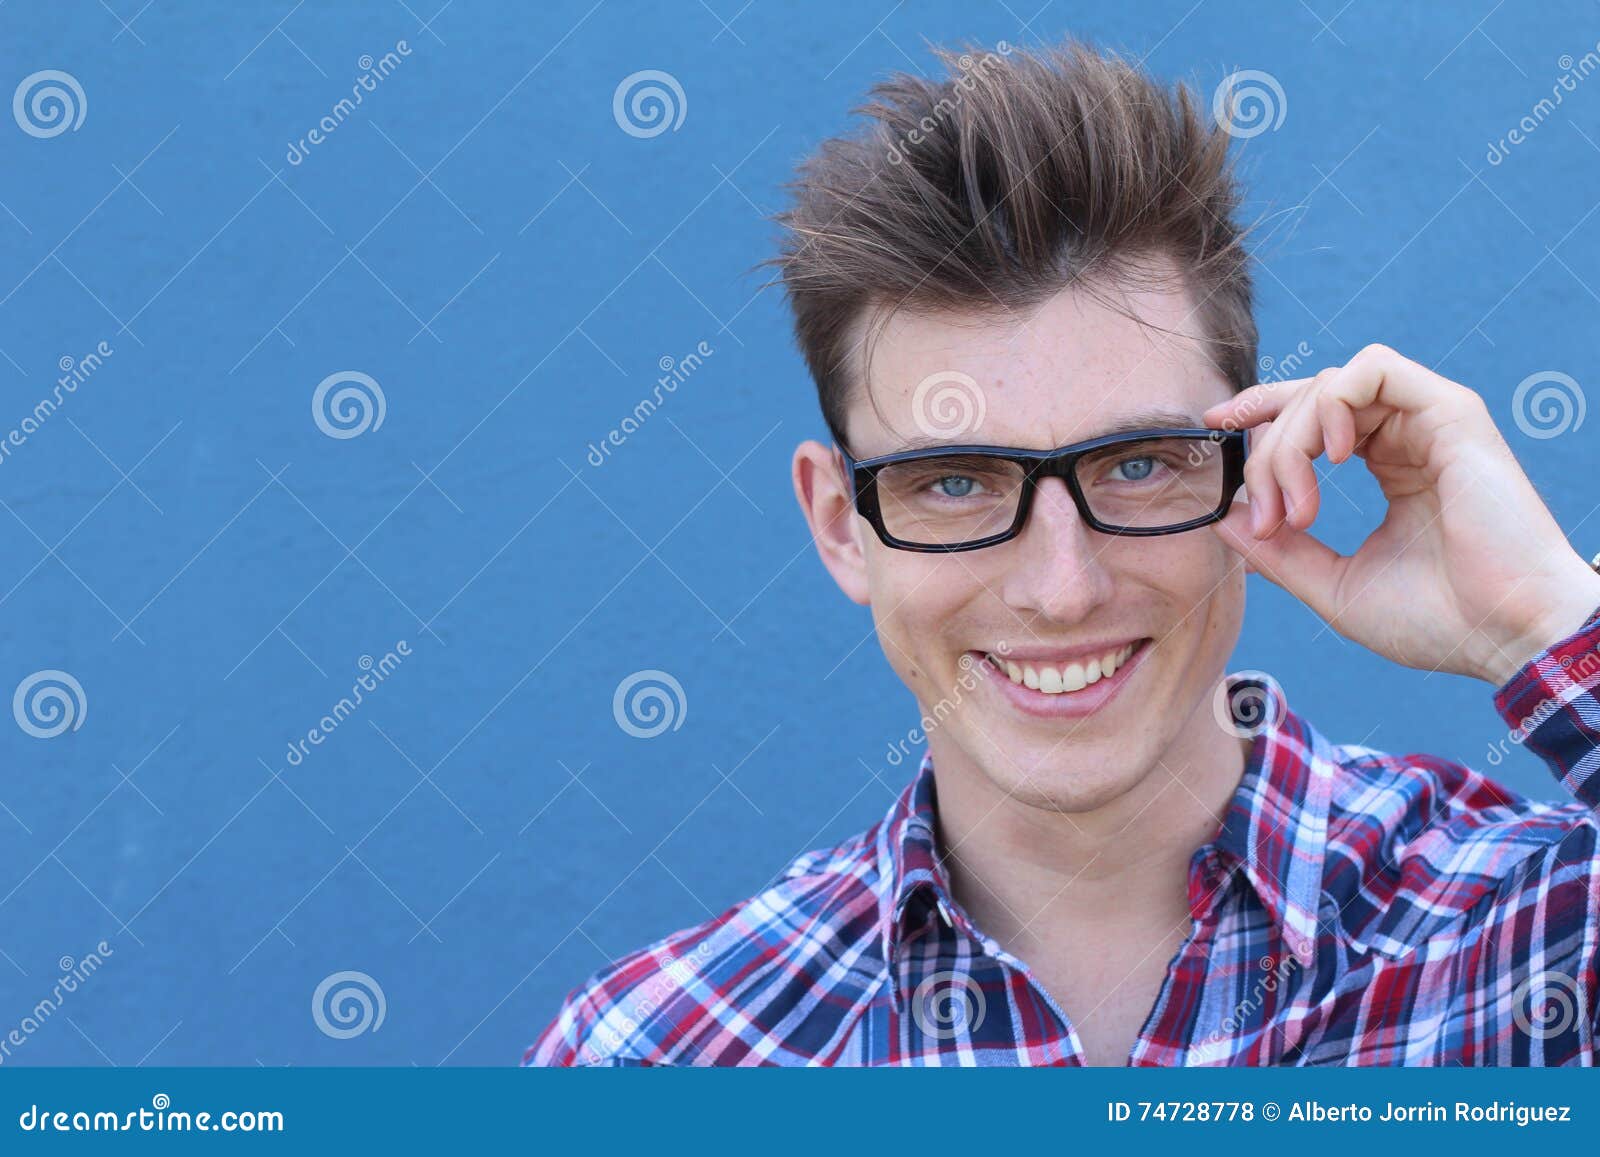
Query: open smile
x,y
1063,684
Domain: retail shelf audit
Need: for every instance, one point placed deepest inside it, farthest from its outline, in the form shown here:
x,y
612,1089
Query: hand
x,y
1468,572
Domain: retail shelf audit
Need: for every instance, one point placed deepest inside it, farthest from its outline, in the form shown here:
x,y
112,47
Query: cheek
x,y
1210,578
917,604
1194,565
1197,581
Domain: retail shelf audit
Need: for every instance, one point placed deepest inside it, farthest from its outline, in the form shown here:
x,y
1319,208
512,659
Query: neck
x,y
1030,876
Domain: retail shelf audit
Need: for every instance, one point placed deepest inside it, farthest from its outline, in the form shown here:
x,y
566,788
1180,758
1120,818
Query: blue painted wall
x,y
513,270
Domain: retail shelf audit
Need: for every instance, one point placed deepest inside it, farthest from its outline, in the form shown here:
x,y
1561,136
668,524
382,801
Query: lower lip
x,y
1068,704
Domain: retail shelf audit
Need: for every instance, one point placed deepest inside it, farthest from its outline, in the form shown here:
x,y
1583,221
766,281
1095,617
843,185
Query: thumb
x,y
1289,558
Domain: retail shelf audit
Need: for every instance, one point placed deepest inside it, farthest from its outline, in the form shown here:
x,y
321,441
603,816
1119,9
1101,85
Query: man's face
x,y
1060,592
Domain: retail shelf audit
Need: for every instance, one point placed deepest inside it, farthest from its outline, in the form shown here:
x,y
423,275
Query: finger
x,y
1282,483
1259,487
1378,376
1338,427
1292,559
1253,405
1322,425
1234,528
1323,418
1295,451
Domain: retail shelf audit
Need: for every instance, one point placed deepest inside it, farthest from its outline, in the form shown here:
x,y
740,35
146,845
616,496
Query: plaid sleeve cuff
x,y
1552,706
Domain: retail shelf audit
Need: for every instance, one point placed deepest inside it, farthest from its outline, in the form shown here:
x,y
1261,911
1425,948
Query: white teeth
x,y
1068,678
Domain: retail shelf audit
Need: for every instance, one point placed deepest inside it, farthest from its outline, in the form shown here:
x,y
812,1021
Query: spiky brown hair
x,y
1015,176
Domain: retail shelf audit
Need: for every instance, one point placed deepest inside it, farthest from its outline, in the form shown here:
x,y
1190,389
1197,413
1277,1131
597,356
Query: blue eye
x,y
955,486
1140,468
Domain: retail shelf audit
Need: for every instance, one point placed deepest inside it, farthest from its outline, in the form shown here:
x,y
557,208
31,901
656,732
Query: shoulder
x,y
787,960
1417,842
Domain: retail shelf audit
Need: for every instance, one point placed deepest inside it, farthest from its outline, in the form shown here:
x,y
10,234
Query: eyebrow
x,y
1126,424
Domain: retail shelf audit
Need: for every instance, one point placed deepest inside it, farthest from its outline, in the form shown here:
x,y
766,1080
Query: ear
x,y
824,494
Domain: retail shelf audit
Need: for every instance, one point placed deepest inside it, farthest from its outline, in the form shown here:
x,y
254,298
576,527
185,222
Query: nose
x,y
1055,569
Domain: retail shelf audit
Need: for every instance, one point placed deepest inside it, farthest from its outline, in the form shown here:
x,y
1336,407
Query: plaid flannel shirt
x,y
1354,908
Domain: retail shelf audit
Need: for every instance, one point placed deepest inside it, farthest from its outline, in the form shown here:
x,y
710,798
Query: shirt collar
x,y
909,858
1275,828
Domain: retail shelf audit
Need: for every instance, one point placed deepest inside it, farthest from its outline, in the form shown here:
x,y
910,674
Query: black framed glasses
x,y
1141,483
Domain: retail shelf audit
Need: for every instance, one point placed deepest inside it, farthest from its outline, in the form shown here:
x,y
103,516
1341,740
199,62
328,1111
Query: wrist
x,y
1566,610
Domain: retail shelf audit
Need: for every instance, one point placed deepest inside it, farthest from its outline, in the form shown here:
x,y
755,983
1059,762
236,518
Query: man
x,y
1112,852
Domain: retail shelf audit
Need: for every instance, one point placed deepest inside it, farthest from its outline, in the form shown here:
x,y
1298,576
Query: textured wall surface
x,y
512,264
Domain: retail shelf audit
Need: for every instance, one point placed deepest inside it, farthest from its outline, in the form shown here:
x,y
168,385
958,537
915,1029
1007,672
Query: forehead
x,y
1076,366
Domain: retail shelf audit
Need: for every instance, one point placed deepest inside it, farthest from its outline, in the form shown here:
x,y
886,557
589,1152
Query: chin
x,y
1074,779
